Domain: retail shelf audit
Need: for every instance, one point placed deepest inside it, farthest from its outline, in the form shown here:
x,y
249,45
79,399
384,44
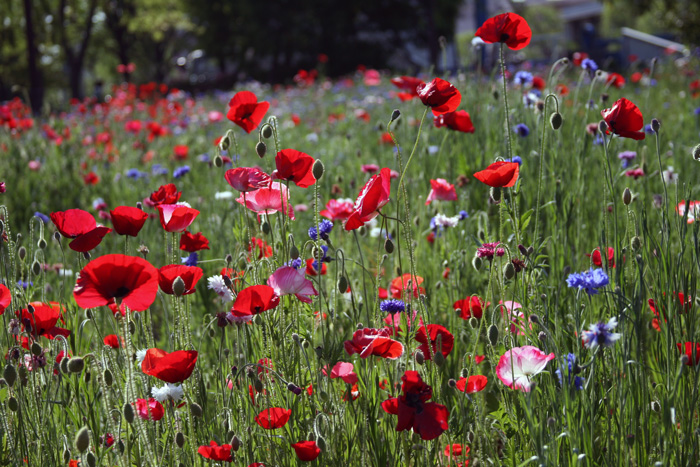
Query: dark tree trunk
x,y
76,59
36,82
431,33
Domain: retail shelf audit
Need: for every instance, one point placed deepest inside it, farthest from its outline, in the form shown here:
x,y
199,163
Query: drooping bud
x,y
36,349
266,228
420,358
107,377
41,243
493,335
179,439
477,262
496,193
294,252
91,459
603,126
36,268
225,143
636,243
22,253
655,125
261,149
395,115
236,443
258,385
342,284
556,120
321,443
318,169
128,412
10,374
509,271
267,131
76,365
178,286
196,409
388,246
82,439
12,404
218,161
452,383
696,156
626,197
439,358
66,456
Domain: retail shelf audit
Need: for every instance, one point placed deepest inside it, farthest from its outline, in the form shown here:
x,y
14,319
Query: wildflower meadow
x,y
485,267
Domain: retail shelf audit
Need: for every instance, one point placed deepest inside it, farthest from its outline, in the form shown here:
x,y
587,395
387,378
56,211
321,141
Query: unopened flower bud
x,y
261,149
266,228
556,120
66,456
82,439
87,255
36,349
389,246
218,161
696,152
91,459
196,409
420,358
492,335
655,125
10,374
509,271
321,443
626,197
36,268
76,365
395,115
294,252
12,404
477,262
107,377
534,319
655,406
496,194
452,383
318,169
178,286
64,365
225,143
22,253
236,443
342,284
684,359
636,243
41,243
473,322
258,385
179,439
439,358
603,126
542,336
267,131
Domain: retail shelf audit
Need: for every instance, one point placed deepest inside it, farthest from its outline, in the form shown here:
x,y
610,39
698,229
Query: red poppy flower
x,y
404,283
129,278
91,178
294,166
441,190
245,110
692,350
458,121
80,226
615,79
43,321
337,209
181,151
409,84
500,174
440,95
624,119
111,340
149,409
428,419
436,331
306,450
216,452
165,194
172,368
312,271
373,196
472,306
193,242
508,28
128,220
578,57
272,418
472,384
259,247
538,83
255,299
5,298
246,179
190,275
369,341
685,305
176,217
597,259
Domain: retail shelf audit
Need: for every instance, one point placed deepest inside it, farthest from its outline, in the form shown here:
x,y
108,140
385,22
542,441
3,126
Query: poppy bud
x,y
323,395
41,243
82,439
76,365
179,439
218,161
66,456
87,376
655,406
495,94
306,344
473,323
319,351
420,358
493,335
655,125
395,115
10,375
227,281
196,409
684,360
551,423
477,262
318,169
107,377
602,126
2,227
626,197
236,443
542,336
91,460
321,443
604,97
295,337
12,404
362,231
128,412
556,120
266,228
509,271
636,243
439,358
389,246
261,149
178,286
294,252
267,131
36,349
36,268
225,143
258,385
495,193
342,284
86,255
452,383
22,253
64,365
132,327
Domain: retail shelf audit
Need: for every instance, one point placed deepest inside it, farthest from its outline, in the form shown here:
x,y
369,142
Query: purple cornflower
x,y
44,218
190,260
589,65
523,78
517,159
158,169
570,368
181,171
590,280
697,111
487,250
463,215
392,305
295,263
136,174
626,157
324,229
600,334
522,130
25,284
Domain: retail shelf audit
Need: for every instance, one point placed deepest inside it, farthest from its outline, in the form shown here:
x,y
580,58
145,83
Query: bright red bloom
x,y
578,57
176,217
149,409
43,321
692,350
369,341
190,275
172,368
440,95
193,242
245,110
442,190
373,196
435,330
458,121
624,119
428,419
472,384
128,220
255,299
216,452
472,306
129,278
337,209
80,226
615,79
404,283
111,340
181,151
165,194
272,418
91,178
312,271
246,179
5,298
294,166
509,28
456,450
684,306
538,83
306,450
259,248
409,84
500,174
597,258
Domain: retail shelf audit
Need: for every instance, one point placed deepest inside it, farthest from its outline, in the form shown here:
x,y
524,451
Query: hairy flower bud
x,y
602,126
91,459
10,374
36,349
388,246
294,252
22,253
342,284
318,169
420,358
636,243
41,243
128,412
82,439
179,439
556,120
626,197
493,335
509,271
76,365
179,286
107,377
12,404
696,152
267,131
655,125
218,161
261,149
477,262
196,409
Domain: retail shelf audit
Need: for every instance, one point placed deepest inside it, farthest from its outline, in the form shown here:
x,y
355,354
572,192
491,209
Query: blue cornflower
x,y
523,78
204,158
590,280
25,284
589,65
571,368
697,111
626,157
136,174
598,140
190,260
522,130
648,129
392,305
158,169
324,228
295,263
517,159
44,218
463,215
181,171
600,334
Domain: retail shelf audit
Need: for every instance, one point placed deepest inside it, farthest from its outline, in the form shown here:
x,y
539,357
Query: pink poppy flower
x,y
344,371
268,200
176,217
370,168
442,190
518,365
373,196
287,280
692,212
246,179
338,209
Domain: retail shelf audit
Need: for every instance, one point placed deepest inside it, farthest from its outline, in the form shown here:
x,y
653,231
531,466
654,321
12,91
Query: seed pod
x,y
12,404
10,374
388,246
179,287
107,377
91,460
267,131
261,149
493,335
76,365
196,409
318,169
342,284
128,412
179,439
82,439
626,197
556,120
